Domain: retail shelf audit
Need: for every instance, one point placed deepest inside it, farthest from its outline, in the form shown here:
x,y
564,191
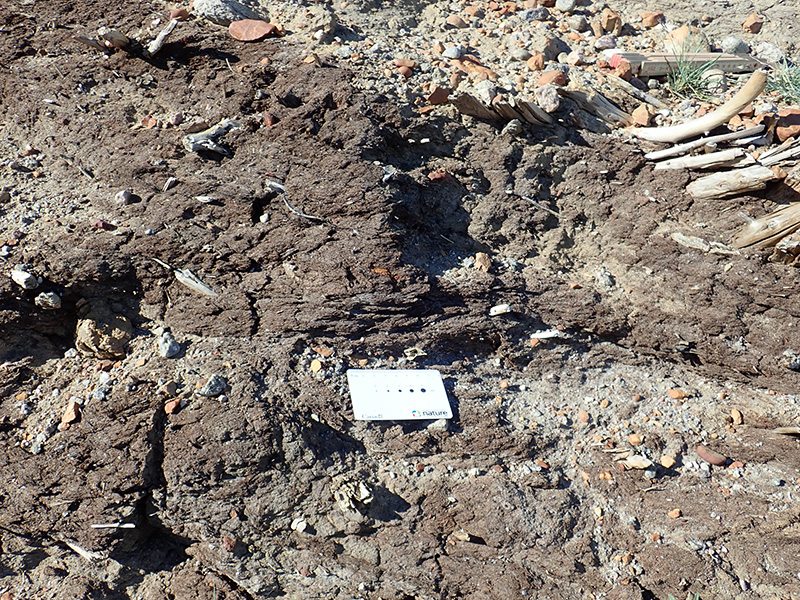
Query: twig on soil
x,y
542,206
207,139
90,556
161,38
187,278
113,526
299,213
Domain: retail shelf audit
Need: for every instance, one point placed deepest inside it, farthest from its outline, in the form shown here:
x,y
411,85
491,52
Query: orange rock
x,y
583,416
439,176
172,406
72,413
651,19
181,14
674,514
635,439
456,21
474,11
316,365
601,63
536,62
251,30
788,124
470,65
677,394
439,95
753,23
405,72
438,47
323,351
574,36
711,457
735,122
624,70
555,77
542,464
405,62
642,115
611,21
504,384
737,464
748,111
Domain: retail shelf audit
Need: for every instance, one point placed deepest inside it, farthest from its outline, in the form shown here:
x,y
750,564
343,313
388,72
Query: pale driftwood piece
x,y
788,152
698,243
161,38
784,146
787,251
597,104
467,104
634,91
731,183
207,140
187,278
688,146
701,161
706,123
508,112
756,140
529,107
770,229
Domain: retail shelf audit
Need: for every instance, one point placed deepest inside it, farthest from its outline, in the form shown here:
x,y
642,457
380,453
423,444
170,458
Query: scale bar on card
x,y
398,394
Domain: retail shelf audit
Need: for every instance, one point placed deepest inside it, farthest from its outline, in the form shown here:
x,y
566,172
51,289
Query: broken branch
x,y
688,146
704,124
731,183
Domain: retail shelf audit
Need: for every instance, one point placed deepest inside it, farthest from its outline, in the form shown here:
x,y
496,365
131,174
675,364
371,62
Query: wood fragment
x,y
530,109
467,104
507,111
770,229
207,140
689,146
732,183
155,46
597,104
784,152
706,123
702,161
90,556
634,91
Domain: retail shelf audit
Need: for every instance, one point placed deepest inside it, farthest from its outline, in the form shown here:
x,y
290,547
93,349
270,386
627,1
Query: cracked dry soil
x,y
518,496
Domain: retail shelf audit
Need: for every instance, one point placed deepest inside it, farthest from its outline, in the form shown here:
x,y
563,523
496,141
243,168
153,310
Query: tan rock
x,y
611,21
405,72
643,115
583,416
456,21
72,413
483,262
181,14
536,62
677,394
675,513
711,457
667,461
753,23
652,19
736,417
624,70
686,39
556,77
316,365
635,439
405,62
251,30
103,334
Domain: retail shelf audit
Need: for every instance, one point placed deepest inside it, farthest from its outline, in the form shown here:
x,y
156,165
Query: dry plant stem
x,y
161,39
676,133
688,146
731,183
769,229
701,161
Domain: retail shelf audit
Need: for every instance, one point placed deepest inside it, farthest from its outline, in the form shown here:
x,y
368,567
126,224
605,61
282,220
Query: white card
x,y
398,394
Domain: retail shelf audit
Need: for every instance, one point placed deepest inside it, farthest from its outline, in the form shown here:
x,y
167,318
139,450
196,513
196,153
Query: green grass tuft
x,y
785,79
688,80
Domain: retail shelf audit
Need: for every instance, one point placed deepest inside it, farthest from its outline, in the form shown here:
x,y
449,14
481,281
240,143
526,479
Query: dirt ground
x,y
367,262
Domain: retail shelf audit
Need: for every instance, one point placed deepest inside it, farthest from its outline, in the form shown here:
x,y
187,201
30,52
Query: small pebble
x,y
168,347
213,387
